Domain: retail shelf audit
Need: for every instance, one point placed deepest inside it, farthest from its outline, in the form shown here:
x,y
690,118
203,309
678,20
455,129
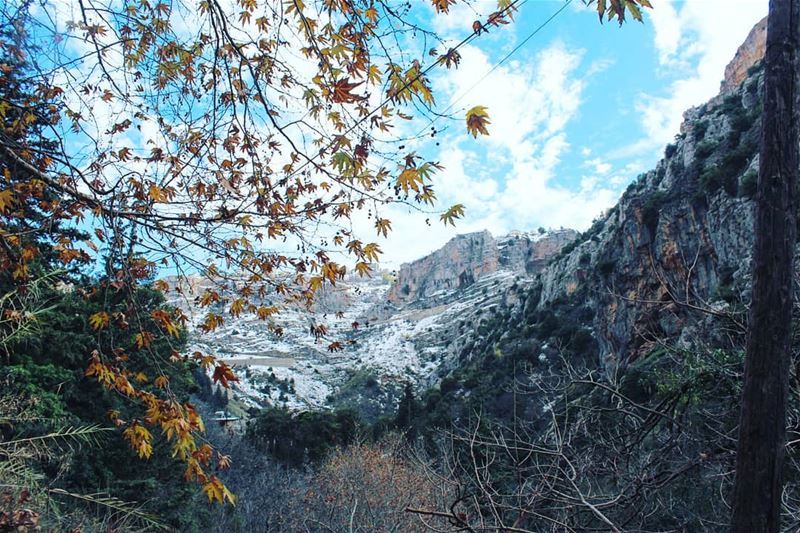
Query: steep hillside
x,y
667,266
389,336
468,257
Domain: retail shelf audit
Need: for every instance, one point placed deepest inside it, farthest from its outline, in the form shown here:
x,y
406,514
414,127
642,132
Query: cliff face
x,y
748,54
466,258
676,248
668,265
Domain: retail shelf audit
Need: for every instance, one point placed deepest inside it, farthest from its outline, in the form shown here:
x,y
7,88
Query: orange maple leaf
x,y
343,92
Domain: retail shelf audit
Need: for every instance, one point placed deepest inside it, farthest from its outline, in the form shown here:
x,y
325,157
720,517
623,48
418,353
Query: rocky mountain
x,y
393,331
665,265
466,258
748,54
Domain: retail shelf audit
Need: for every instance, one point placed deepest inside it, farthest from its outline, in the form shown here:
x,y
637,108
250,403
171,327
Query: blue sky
x,y
577,113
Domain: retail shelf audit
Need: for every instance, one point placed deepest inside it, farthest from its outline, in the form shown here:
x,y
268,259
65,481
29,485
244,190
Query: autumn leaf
x,y
223,462
223,374
217,492
477,120
384,226
450,216
372,251
99,320
409,179
507,7
335,346
363,269
616,9
6,200
442,6
451,59
342,92
144,339
139,439
264,313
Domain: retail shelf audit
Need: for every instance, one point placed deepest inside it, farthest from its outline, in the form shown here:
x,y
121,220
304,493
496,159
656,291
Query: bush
x,y
670,150
749,184
606,267
651,209
699,131
297,438
704,149
448,384
676,167
731,104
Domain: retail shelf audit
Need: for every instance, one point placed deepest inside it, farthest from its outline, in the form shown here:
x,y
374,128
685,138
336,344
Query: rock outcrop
x,y
748,54
675,251
468,257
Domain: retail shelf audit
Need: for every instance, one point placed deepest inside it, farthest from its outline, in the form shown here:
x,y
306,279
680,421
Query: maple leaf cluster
x,y
218,147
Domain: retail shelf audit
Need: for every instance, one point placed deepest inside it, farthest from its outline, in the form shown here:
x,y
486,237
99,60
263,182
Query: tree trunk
x,y
762,425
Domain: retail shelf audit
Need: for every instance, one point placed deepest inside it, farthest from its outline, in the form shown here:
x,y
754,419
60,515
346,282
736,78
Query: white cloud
x,y
694,40
507,180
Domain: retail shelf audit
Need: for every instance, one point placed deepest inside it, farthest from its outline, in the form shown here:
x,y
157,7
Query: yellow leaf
x,y
99,320
409,178
363,269
6,200
371,251
477,120
139,439
450,216
217,492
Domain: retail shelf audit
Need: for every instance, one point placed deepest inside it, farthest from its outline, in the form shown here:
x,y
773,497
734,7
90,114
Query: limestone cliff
x,y
466,258
748,54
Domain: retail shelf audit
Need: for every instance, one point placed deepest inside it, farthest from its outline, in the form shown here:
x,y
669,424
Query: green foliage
x,y
652,208
677,167
699,372
299,438
699,131
606,266
725,175
749,184
704,149
47,369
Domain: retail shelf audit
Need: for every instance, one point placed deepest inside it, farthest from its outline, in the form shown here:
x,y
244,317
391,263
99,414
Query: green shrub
x,y
676,167
699,131
704,149
749,184
651,209
606,266
731,104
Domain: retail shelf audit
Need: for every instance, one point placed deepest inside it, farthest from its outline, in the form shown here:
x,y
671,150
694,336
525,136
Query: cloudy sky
x,y
577,112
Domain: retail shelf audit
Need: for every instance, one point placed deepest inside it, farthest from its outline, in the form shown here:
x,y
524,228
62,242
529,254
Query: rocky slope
x,y
665,265
748,54
668,265
468,257
390,336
